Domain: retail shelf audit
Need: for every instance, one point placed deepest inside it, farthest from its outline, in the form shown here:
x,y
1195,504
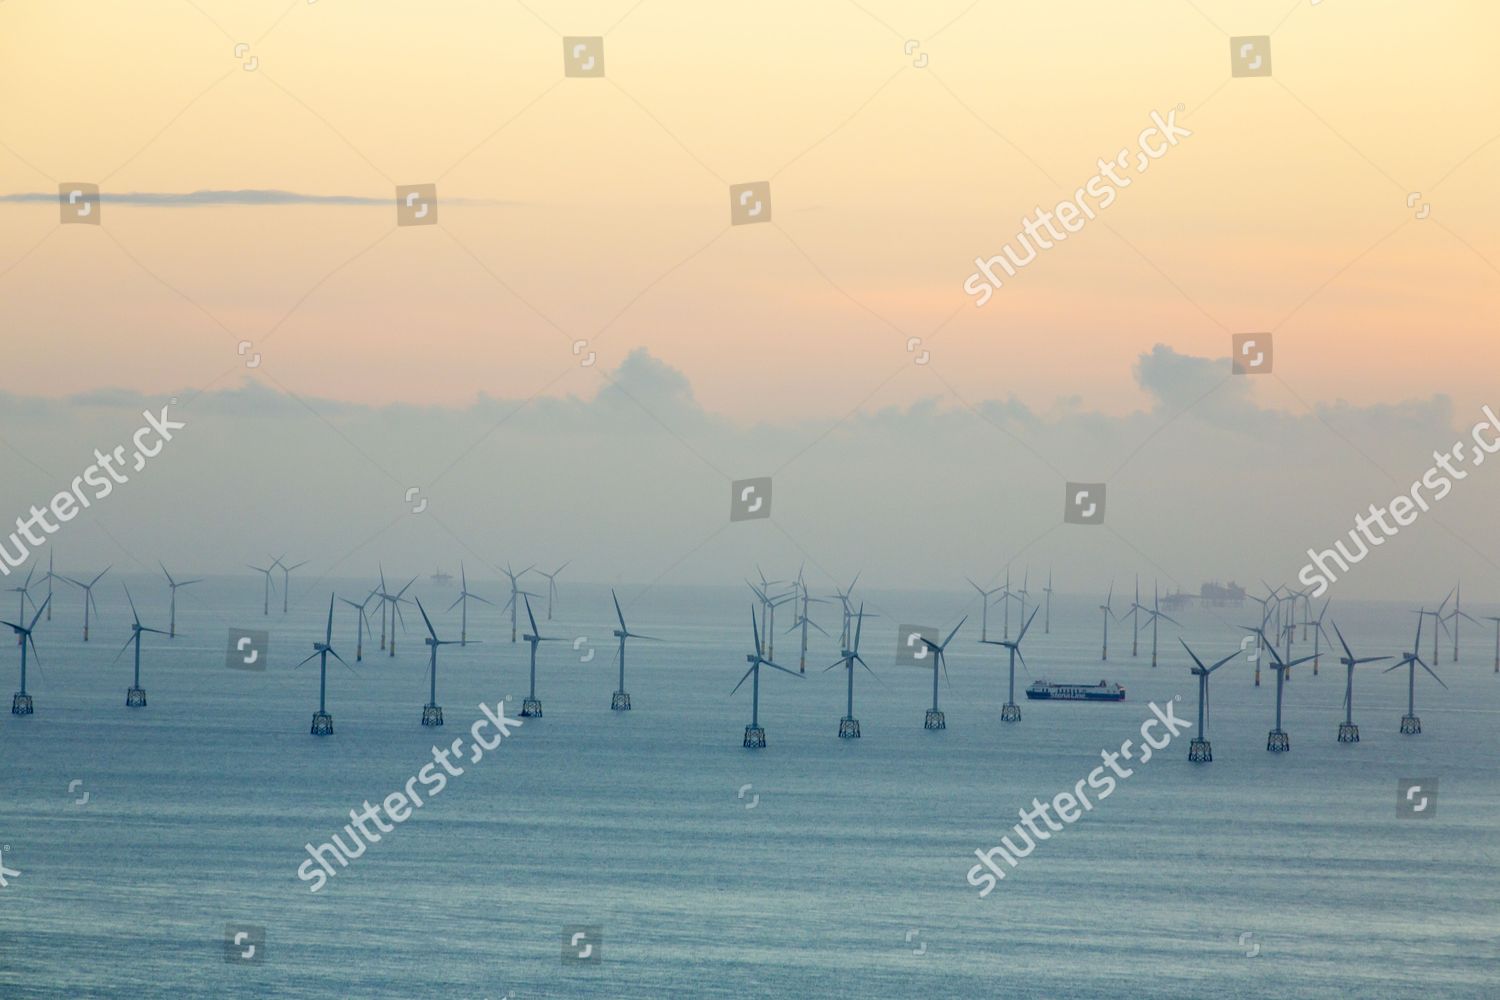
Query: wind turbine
x,y
136,696
1348,731
394,600
463,598
1319,633
755,736
1135,617
49,578
1025,580
359,645
849,725
771,606
1457,613
803,621
1278,741
552,586
1497,640
1440,619
322,722
1410,724
620,702
21,703
531,707
24,590
286,580
935,718
266,607
1005,600
1155,613
88,598
984,614
172,627
1011,712
1200,750
1047,616
844,596
432,712
514,605
1108,614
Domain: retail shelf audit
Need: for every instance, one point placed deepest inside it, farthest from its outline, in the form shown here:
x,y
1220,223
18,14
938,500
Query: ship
x,y
1103,691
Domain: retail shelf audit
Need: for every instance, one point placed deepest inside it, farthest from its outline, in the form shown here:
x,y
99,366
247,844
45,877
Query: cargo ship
x,y
1103,691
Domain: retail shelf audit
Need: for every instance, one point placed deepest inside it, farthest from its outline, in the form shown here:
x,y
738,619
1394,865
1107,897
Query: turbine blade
x,y
742,679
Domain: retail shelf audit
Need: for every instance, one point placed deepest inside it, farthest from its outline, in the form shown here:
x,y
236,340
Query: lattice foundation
x,y
20,705
322,724
1411,725
1011,712
1348,732
432,715
1278,741
1200,751
848,728
755,737
531,708
135,698
935,720
620,702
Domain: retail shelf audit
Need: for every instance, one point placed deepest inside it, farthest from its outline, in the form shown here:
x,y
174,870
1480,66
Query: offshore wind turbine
x,y
1200,750
1005,600
1278,741
772,605
1135,620
286,580
1410,724
1047,615
174,584
21,703
531,707
1011,712
1457,613
394,600
266,606
755,736
1152,616
1025,580
432,712
49,578
620,701
984,614
935,718
135,697
849,725
1108,614
514,605
359,645
1490,618
463,598
1348,731
843,597
1319,633
1440,620
804,621
551,585
24,590
322,722
88,598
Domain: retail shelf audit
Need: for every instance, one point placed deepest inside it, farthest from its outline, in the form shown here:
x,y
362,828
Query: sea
x,y
154,852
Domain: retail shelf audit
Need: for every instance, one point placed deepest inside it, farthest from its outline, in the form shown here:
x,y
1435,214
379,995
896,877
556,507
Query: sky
x,y
1341,204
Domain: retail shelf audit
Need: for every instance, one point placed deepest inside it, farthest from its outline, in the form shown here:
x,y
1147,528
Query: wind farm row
x,y
1270,641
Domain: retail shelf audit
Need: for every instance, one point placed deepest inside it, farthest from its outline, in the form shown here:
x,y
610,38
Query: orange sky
x,y
603,203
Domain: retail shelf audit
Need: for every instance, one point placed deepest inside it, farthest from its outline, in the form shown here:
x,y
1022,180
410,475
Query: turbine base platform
x,y
432,715
1411,725
20,705
1200,751
135,698
935,720
1348,732
848,728
755,738
1010,712
322,724
531,708
620,701
1278,741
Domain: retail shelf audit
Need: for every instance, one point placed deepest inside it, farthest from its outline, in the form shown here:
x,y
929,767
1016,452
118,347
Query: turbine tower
x,y
49,578
1108,614
394,601
552,586
514,605
1200,750
359,644
88,598
1454,615
1319,633
135,697
24,592
1277,741
21,703
1410,724
1011,712
531,708
174,584
984,614
755,736
286,580
1348,731
432,712
266,606
620,701
849,725
1135,617
804,621
935,718
322,722
1047,615
844,599
463,598
1489,618
1152,615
